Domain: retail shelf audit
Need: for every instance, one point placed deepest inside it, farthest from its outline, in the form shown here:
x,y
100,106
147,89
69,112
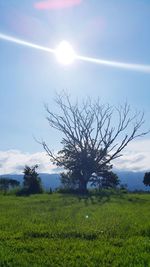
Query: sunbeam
x,y
115,64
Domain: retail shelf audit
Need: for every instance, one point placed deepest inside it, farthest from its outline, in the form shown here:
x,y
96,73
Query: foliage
x,y
64,230
6,184
69,181
106,179
146,179
31,181
90,139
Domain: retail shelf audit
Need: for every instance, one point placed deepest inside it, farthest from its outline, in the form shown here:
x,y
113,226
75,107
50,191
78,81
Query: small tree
x,y
32,181
6,184
93,136
146,179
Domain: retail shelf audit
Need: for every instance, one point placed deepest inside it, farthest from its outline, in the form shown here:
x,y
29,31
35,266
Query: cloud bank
x,y
13,161
136,157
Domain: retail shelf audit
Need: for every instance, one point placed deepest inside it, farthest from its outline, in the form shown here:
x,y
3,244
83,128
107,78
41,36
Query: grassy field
x,y
61,230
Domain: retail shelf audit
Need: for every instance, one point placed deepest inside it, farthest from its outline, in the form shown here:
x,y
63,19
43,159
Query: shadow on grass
x,y
67,235
103,196
99,197
137,199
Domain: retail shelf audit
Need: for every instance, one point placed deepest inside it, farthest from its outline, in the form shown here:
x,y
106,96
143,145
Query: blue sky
x,y
113,30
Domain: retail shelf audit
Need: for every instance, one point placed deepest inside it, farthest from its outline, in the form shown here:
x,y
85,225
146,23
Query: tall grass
x,y
64,230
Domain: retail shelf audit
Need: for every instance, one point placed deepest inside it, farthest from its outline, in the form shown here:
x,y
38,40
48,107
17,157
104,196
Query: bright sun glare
x,y
65,53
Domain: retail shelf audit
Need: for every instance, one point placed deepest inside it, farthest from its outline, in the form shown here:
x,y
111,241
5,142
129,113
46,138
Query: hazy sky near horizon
x,y
111,30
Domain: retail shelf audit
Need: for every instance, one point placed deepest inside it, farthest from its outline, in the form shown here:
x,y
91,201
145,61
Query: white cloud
x,y
13,161
136,157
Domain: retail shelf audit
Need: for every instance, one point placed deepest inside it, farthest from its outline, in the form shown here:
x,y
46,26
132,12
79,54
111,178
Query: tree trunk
x,y
83,187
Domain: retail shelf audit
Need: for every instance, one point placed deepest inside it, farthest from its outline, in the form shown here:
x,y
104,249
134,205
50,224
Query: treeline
x,y
8,184
32,183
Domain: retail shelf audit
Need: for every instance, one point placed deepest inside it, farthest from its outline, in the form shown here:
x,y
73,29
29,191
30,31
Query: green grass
x,y
53,230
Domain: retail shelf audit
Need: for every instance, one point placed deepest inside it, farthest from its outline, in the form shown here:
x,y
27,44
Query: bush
x,y
65,190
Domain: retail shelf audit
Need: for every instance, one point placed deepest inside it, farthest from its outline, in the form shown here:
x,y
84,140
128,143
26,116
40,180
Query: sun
x,y
65,53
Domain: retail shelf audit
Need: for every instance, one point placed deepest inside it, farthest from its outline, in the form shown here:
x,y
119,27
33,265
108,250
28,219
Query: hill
x,y
134,180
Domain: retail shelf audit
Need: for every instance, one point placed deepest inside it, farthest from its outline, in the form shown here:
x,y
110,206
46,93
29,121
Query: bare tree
x,y
93,136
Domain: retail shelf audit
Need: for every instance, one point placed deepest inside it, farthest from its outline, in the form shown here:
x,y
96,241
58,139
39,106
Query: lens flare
x,y
25,43
69,55
56,4
116,64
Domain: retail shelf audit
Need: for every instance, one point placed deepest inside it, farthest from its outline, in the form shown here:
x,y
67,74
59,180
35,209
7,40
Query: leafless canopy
x,y
94,126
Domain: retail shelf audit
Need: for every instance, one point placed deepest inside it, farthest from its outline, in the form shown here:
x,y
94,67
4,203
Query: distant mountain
x,y
50,180
18,177
134,180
